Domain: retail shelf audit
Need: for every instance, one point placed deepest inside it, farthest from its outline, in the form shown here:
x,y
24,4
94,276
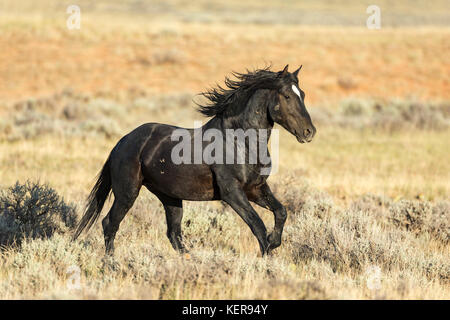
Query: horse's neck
x,y
253,116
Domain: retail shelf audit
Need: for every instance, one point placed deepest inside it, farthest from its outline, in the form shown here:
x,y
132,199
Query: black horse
x,y
255,100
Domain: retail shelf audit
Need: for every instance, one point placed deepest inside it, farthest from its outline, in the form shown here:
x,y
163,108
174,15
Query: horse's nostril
x,y
307,133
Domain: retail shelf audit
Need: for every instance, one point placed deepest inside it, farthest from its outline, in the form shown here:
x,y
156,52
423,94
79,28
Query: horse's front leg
x,y
264,197
232,193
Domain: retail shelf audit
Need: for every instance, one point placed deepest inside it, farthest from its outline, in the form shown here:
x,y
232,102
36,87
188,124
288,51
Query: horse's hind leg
x,y
112,221
126,185
174,215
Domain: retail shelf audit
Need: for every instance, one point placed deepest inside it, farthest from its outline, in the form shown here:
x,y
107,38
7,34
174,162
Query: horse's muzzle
x,y
307,135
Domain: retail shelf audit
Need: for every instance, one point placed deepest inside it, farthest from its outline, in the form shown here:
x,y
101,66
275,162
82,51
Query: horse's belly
x,y
186,181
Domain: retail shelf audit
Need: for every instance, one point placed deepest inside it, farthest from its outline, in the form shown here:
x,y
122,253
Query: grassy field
x,y
368,199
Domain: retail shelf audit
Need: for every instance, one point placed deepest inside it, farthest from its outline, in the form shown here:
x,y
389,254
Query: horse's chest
x,y
253,179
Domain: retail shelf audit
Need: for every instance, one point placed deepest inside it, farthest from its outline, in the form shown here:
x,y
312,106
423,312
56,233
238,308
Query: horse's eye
x,y
287,97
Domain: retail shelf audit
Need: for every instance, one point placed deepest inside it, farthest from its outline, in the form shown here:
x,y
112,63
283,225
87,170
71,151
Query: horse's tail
x,y
96,199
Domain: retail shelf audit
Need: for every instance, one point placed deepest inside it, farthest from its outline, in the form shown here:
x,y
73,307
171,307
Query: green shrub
x,y
32,210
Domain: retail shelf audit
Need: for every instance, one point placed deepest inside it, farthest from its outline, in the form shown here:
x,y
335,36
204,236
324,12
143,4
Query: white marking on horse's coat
x,y
294,88
297,92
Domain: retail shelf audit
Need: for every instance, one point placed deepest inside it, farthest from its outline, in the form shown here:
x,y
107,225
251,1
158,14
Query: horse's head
x,y
290,111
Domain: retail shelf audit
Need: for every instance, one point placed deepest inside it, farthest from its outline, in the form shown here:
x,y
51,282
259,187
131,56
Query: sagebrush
x,y
33,210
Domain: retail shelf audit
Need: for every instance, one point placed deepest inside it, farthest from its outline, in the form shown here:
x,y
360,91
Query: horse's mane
x,y
234,96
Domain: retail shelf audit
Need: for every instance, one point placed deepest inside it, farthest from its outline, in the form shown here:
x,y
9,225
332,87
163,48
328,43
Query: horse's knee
x,y
281,214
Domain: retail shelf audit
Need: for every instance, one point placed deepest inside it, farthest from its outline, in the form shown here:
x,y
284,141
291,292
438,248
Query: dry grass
x,y
368,199
328,253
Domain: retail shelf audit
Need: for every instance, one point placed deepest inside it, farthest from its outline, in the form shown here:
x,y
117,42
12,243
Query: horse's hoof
x,y
272,242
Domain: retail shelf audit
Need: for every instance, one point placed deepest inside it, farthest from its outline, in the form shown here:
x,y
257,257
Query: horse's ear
x,y
296,71
285,70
